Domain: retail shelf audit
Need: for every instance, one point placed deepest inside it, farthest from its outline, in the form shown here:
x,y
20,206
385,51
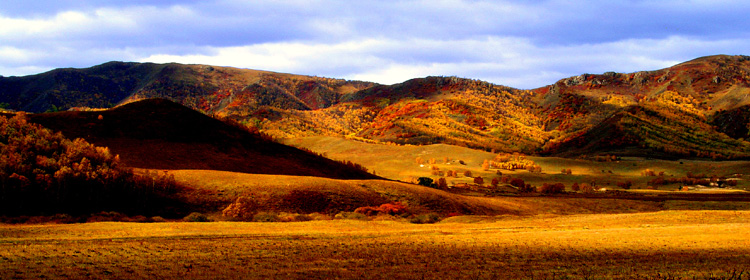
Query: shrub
x,y
586,188
286,217
430,218
556,188
387,209
266,217
518,183
521,186
66,219
495,182
467,173
425,181
319,217
442,183
243,209
196,217
351,216
104,216
625,185
479,181
575,187
139,219
534,168
486,165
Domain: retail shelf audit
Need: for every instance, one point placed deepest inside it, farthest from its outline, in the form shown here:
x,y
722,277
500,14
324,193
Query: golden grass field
x,y
657,245
221,188
398,163
505,237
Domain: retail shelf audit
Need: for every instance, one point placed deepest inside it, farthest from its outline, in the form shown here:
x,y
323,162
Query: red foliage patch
x,y
388,208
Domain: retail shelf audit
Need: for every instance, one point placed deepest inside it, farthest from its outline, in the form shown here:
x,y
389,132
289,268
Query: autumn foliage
x,y
42,172
387,209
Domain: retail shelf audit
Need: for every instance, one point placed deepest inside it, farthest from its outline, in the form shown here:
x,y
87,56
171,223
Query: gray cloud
x,y
517,43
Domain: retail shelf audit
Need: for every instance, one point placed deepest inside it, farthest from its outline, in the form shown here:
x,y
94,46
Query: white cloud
x,y
508,61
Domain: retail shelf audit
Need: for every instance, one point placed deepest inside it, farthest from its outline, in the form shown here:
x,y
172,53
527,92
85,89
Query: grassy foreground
x,y
658,245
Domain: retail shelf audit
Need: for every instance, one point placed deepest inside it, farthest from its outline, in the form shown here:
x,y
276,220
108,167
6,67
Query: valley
x,y
193,171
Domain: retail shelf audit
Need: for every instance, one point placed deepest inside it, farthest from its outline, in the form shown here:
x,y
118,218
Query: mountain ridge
x,y
696,103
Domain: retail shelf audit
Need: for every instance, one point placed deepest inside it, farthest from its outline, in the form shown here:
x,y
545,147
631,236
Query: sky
x,y
518,43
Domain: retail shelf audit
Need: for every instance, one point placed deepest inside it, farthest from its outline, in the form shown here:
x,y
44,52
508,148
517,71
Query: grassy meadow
x,y
479,236
399,163
216,189
657,245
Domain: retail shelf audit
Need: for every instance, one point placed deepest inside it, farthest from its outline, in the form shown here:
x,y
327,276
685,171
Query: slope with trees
x,y
161,134
43,172
698,106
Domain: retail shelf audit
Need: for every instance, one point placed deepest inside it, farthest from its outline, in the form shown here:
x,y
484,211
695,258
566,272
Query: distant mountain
x,y
161,134
211,89
693,109
700,108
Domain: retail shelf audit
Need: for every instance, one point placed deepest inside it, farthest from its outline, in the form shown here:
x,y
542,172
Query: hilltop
x,y
696,109
211,89
161,134
693,109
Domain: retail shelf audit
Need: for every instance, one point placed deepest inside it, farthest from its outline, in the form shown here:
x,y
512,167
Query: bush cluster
x,y
351,216
196,217
555,188
386,209
429,218
43,173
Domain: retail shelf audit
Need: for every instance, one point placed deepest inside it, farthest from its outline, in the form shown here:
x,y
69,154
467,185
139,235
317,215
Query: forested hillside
x,y
694,109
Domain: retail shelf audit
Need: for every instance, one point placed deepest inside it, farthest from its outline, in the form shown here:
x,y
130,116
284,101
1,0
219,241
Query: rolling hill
x,y
161,134
696,109
211,89
693,109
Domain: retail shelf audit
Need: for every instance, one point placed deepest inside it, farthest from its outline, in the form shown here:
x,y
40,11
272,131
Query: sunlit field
x,y
398,163
658,245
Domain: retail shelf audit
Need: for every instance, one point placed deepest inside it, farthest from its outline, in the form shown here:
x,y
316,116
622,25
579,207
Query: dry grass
x,y
663,245
398,163
218,189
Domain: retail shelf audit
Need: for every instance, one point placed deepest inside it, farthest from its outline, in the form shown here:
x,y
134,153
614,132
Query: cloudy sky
x,y
518,43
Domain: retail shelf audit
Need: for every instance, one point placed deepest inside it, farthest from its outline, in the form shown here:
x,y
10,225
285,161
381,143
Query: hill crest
x,y
694,104
161,134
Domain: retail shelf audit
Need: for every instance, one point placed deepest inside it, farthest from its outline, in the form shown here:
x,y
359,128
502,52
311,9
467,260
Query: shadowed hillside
x,y
161,134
